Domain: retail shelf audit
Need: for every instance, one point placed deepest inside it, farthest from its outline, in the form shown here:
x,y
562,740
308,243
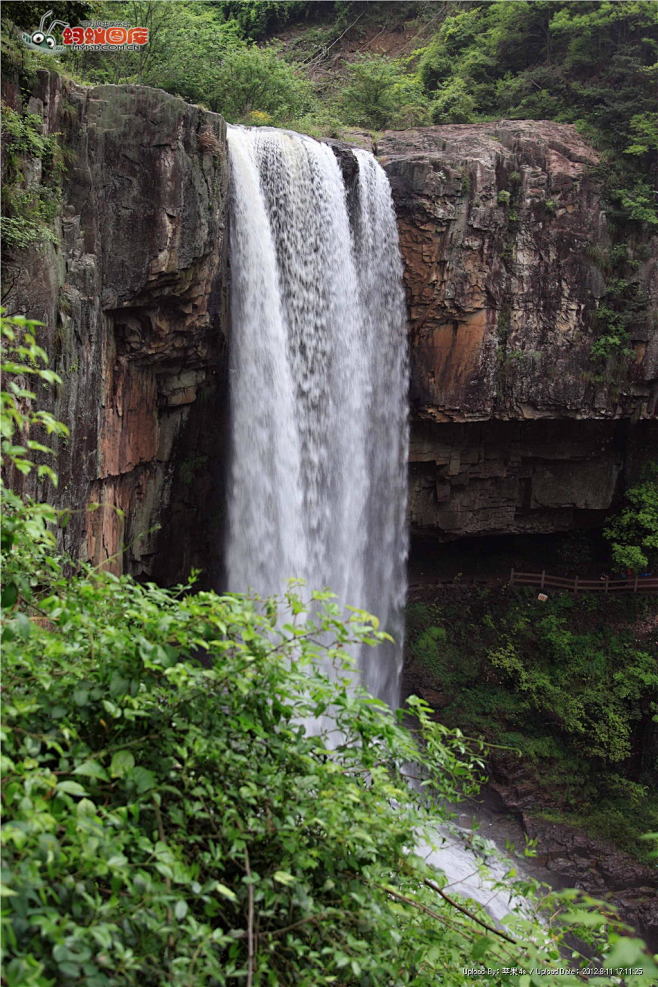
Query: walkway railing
x,y
630,584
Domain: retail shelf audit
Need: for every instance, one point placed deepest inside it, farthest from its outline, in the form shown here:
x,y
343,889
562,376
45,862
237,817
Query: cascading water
x,y
317,487
318,381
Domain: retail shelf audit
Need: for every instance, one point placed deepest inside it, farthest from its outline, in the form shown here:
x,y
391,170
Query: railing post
x,y
511,577
635,583
575,585
607,580
543,579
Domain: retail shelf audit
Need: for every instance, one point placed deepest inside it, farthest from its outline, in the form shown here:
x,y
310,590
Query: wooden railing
x,y
631,584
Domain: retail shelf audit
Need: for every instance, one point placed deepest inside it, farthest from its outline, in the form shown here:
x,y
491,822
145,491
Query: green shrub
x,y
166,813
257,18
202,58
638,202
29,206
429,648
259,79
565,682
620,311
19,233
453,104
169,820
379,94
23,135
633,533
590,64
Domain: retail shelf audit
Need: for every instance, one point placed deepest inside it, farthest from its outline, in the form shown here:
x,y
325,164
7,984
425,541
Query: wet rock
x,y
600,869
503,229
576,859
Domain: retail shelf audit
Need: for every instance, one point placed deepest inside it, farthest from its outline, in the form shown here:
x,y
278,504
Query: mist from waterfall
x,y
318,383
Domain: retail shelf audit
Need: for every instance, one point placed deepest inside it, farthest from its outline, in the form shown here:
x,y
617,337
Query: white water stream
x,y
317,486
318,390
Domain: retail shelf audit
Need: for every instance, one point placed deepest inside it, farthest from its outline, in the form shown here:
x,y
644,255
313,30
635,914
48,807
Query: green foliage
x,y
27,534
258,18
591,63
593,711
27,14
637,202
29,205
19,233
379,94
620,310
644,132
633,533
453,103
168,818
23,359
23,134
161,811
255,79
431,642
195,53
566,682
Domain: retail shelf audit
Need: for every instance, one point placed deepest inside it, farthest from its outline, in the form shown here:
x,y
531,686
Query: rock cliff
x,y
515,425
133,299
503,233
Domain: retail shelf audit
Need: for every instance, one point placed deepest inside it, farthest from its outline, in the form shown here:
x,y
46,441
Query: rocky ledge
x,y
574,859
503,232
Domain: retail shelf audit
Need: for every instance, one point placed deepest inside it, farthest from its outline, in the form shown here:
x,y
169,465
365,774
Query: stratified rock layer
x,y
133,301
532,477
504,239
502,230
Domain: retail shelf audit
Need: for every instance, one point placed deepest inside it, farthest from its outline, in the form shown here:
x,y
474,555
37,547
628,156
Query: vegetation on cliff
x,y
318,68
570,684
29,205
167,818
593,63
633,532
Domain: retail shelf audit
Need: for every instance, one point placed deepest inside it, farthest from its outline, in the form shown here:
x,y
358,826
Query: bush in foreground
x,y
169,819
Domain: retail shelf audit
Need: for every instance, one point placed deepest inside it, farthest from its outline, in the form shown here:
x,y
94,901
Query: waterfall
x,y
318,383
318,391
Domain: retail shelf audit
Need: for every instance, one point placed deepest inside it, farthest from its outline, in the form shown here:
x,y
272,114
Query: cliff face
x,y
503,234
133,301
504,239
